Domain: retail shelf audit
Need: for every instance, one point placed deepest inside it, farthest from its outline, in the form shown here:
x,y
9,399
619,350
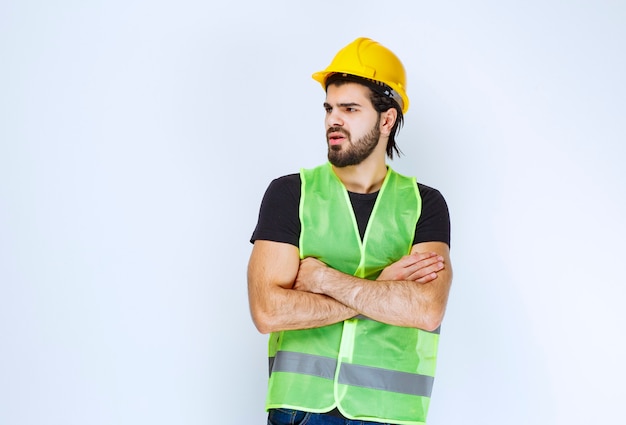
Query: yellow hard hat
x,y
368,59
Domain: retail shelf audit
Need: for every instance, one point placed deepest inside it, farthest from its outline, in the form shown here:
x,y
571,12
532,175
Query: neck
x,y
366,177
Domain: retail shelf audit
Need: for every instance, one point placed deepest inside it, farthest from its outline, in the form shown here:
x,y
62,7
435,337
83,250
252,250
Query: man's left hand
x,y
310,276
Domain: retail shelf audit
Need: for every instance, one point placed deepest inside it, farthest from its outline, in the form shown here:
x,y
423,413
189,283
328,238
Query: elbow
x,y
431,325
432,321
426,322
435,311
263,323
263,328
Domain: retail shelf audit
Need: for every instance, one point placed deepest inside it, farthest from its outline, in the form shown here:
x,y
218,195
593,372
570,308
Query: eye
x,y
351,109
328,109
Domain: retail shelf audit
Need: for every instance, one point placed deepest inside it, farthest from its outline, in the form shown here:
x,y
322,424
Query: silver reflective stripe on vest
x,y
387,380
307,364
350,374
436,331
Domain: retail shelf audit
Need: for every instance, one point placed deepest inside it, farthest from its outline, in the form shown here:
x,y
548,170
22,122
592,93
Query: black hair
x,y
382,102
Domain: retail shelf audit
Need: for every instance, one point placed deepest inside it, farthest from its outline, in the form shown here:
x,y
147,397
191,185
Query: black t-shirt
x,y
279,219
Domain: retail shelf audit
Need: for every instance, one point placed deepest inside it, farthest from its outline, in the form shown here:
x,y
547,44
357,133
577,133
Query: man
x,y
350,269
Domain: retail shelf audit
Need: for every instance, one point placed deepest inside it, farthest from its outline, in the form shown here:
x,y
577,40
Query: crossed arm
x,y
286,293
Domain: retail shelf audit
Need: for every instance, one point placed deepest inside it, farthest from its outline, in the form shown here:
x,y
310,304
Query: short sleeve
x,y
434,222
279,219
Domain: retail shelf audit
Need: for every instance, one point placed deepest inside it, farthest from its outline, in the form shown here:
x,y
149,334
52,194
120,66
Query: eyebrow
x,y
342,105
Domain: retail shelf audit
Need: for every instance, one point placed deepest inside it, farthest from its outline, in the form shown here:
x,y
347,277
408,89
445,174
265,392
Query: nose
x,y
334,118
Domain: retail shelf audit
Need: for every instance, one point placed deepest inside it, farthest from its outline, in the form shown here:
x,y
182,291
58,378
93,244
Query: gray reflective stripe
x,y
307,364
436,331
350,374
387,380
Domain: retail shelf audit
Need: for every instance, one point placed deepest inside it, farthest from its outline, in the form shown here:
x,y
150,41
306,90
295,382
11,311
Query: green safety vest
x,y
367,369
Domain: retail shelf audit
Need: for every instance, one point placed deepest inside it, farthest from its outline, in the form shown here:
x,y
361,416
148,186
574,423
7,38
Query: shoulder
x,y
283,189
430,194
288,182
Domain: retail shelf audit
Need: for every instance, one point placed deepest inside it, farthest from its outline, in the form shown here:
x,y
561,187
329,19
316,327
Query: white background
x,y
137,138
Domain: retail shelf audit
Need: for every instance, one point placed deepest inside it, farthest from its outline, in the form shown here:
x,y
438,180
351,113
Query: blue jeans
x,y
296,417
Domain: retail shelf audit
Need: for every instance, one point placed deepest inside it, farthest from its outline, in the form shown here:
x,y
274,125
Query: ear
x,y
387,121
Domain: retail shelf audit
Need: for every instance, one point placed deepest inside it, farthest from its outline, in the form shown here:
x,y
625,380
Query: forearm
x,y
288,309
411,292
400,303
274,303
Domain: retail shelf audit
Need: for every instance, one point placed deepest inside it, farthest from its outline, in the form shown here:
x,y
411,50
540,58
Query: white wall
x,y
137,139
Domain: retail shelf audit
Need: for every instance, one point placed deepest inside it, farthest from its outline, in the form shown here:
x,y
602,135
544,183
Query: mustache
x,y
337,130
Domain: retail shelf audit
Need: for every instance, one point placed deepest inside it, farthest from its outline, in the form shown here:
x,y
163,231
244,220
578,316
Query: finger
x,y
408,260
427,262
424,266
419,257
427,271
428,278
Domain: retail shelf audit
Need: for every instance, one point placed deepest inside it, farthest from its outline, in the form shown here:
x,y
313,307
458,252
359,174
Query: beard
x,y
353,153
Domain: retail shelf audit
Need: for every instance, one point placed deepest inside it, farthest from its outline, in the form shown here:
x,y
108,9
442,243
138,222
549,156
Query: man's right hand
x,y
421,267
